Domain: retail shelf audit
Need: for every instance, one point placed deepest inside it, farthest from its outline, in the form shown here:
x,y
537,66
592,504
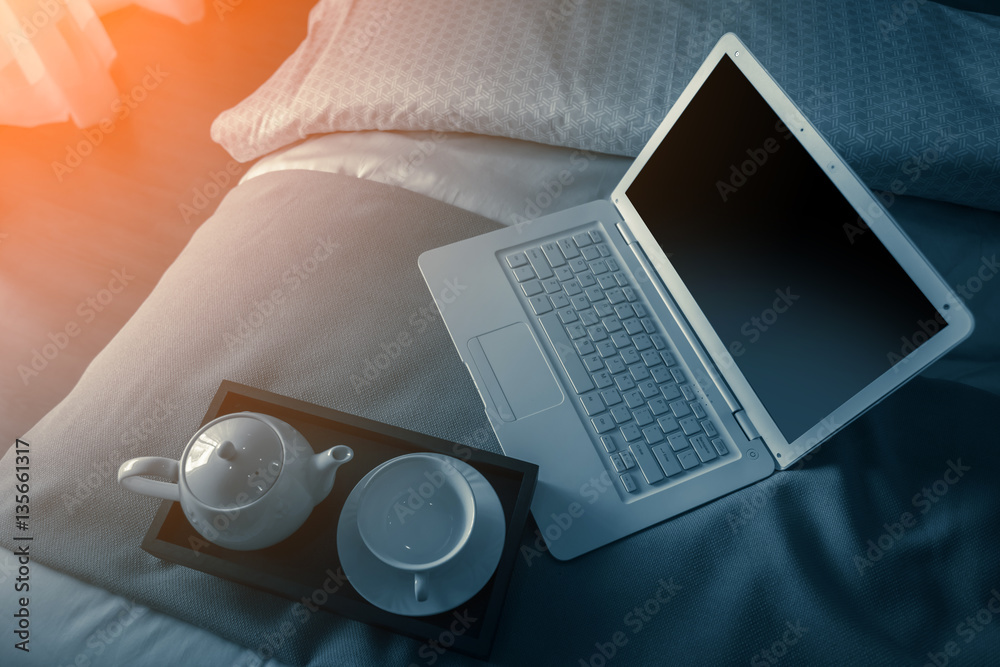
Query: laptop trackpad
x,y
517,376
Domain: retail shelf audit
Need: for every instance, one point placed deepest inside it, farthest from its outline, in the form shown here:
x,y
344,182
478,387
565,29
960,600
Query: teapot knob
x,y
227,450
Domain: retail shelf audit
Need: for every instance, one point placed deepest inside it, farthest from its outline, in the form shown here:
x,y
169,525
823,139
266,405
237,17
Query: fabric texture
x,y
909,98
873,551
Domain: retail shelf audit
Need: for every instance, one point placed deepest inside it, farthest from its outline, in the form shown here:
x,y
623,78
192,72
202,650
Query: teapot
x,y
245,480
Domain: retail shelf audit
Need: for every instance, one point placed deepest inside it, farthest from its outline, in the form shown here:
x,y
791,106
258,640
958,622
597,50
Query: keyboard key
x,y
678,375
631,432
615,365
647,464
602,423
532,287
616,295
589,317
516,259
666,460
576,330
559,301
622,279
688,459
603,309
568,248
592,403
578,264
612,265
670,391
658,406
710,429
606,281
630,356
632,326
597,333
628,483
699,410
564,273
538,262
611,324
678,441
680,408
650,358
616,461
567,315
643,416
606,348
621,413
639,310
570,362
633,398
605,251
594,293
586,280
667,423
596,236
621,339
648,388
652,434
648,325
603,379
706,452
523,273
623,311
628,460
572,288
593,362
551,285
540,304
668,358
689,425
630,294
582,239
688,392
591,253
660,373
720,447
553,254
641,342
624,382
584,346
638,372
609,443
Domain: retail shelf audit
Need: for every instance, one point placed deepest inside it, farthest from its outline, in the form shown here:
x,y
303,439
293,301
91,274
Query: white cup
x,y
416,513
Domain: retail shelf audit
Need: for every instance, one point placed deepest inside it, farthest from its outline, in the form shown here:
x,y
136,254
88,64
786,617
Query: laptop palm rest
x,y
517,376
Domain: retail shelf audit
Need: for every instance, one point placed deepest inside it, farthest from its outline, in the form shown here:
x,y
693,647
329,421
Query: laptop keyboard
x,y
643,414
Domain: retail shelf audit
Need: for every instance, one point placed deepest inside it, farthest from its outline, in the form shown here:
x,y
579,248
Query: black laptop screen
x,y
809,303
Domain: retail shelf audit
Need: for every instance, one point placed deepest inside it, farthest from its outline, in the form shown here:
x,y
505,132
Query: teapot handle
x,y
130,476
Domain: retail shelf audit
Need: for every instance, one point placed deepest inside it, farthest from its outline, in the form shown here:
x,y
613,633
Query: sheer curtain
x,y
55,56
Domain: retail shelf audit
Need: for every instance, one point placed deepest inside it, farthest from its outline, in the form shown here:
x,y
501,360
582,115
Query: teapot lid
x,y
233,461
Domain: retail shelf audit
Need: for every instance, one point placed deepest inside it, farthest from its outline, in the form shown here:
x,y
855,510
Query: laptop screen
x,y
809,302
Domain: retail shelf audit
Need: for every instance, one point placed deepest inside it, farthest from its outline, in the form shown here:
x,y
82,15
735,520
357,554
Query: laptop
x,y
740,298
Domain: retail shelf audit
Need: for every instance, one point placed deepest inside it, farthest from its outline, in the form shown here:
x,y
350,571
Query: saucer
x,y
451,584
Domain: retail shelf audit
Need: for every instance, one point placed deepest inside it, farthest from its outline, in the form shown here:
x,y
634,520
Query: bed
x,y
398,127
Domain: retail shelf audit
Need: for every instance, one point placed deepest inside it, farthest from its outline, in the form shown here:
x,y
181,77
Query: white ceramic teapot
x,y
245,480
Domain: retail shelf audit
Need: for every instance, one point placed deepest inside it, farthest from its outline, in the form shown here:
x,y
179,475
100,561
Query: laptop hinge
x,y
744,421
626,233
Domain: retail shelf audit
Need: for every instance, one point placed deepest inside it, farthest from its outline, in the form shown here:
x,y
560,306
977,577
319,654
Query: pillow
x,y
909,100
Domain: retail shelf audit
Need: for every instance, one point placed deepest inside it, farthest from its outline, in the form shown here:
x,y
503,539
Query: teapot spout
x,y
324,470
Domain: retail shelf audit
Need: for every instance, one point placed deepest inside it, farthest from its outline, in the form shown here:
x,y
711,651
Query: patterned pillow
x,y
907,92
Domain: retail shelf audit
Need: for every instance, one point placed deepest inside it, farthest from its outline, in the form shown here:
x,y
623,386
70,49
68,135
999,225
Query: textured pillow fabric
x,y
910,99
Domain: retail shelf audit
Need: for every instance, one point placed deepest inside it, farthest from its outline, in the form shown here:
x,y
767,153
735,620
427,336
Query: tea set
x,y
418,535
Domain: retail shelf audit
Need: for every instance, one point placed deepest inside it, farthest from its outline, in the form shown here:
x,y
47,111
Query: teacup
x,y
416,513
